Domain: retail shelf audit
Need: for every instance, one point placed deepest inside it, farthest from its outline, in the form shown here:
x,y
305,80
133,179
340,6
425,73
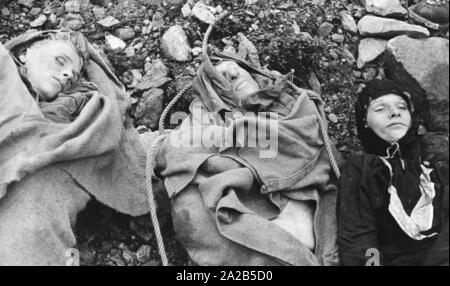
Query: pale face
x,y
388,116
52,67
242,82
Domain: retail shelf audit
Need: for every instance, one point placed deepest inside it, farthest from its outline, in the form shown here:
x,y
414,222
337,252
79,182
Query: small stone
x,y
186,10
370,74
338,38
5,12
157,21
72,6
26,3
125,33
175,44
129,52
53,19
149,108
250,2
35,11
138,46
202,12
115,44
296,28
325,29
143,253
196,51
118,260
348,23
74,21
99,12
39,21
334,55
136,78
219,9
109,23
333,118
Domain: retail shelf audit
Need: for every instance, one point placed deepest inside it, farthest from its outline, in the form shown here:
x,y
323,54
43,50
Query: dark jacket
x,y
365,224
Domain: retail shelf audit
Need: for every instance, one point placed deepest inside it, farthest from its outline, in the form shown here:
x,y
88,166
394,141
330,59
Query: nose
x,y
395,112
67,74
233,73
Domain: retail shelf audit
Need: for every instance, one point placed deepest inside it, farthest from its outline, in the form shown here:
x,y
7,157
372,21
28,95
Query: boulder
x,y
372,26
421,66
369,49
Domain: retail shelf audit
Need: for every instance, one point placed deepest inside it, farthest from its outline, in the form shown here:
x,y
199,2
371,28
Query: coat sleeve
x,y
357,231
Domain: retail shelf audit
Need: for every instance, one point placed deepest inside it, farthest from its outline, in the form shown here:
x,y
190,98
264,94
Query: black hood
x,y
371,142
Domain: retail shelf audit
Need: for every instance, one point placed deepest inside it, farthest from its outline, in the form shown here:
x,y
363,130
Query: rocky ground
x,y
325,42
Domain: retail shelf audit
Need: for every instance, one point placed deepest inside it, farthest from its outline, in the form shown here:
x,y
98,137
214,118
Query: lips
x,y
396,124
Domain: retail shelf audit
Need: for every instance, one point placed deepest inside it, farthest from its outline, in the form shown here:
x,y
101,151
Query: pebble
x,y
115,44
26,3
125,33
5,12
35,11
109,23
74,21
186,10
202,12
39,21
143,253
99,12
333,118
338,38
325,29
72,6
175,44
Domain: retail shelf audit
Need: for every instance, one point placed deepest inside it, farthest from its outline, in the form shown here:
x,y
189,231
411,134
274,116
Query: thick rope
x,y
326,138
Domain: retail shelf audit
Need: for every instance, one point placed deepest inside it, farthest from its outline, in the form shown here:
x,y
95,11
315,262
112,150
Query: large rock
x,y
202,12
422,68
150,108
175,44
372,26
386,8
348,23
369,49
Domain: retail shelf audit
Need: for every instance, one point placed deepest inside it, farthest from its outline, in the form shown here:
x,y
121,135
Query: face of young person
x,y
52,66
242,82
389,117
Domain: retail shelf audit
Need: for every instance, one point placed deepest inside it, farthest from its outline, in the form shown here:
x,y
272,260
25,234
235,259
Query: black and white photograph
x,y
249,133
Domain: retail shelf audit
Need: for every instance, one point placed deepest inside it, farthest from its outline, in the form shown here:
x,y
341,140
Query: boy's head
x,y
382,110
52,66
